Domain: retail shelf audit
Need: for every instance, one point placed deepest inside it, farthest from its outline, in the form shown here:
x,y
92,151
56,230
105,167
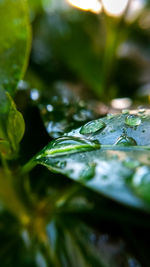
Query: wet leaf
x,y
15,42
112,168
62,109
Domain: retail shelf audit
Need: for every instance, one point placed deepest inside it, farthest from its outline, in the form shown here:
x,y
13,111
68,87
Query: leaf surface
x,y
116,163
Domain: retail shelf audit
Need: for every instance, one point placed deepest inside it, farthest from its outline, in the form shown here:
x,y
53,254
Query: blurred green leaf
x,y
12,128
15,40
15,126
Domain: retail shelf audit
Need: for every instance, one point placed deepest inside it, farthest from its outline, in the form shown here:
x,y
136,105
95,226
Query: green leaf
x,y
15,42
12,127
117,164
15,127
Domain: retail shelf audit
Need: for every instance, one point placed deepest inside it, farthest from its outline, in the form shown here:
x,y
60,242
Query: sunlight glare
x,y
115,8
87,5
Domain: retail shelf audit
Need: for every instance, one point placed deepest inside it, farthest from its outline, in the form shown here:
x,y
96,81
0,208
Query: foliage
x,y
94,218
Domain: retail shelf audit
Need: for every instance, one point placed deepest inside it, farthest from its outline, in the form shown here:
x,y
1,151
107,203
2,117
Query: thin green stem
x,y
28,167
5,166
115,33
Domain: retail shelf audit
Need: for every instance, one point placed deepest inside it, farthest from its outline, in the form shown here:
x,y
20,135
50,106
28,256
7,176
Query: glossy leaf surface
x,y
118,167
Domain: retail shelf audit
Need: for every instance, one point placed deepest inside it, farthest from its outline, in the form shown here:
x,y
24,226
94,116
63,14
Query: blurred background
x,y
100,47
88,58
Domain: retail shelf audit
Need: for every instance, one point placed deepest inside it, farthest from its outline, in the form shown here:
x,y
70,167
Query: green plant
x,y
45,218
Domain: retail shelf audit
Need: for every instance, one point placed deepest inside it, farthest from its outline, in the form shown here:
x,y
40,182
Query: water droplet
x,y
88,172
141,110
112,130
92,127
61,164
110,116
125,111
132,120
23,85
125,140
49,108
82,115
67,145
34,94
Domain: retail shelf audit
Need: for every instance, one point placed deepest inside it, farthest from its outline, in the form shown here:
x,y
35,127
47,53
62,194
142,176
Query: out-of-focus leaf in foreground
x,y
15,42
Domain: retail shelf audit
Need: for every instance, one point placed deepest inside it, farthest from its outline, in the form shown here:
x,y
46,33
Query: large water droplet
x,y
67,145
92,126
133,120
49,108
125,140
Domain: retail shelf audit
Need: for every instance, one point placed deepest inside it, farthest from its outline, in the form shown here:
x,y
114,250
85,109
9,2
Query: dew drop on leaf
x,y
92,126
124,140
61,164
141,110
125,111
133,120
110,116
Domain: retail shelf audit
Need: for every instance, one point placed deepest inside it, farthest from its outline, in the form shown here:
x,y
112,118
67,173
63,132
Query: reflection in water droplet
x,y
88,172
133,120
92,127
34,94
124,140
125,111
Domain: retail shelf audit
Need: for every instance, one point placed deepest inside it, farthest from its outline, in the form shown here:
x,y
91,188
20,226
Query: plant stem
x,y
5,166
114,34
28,167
